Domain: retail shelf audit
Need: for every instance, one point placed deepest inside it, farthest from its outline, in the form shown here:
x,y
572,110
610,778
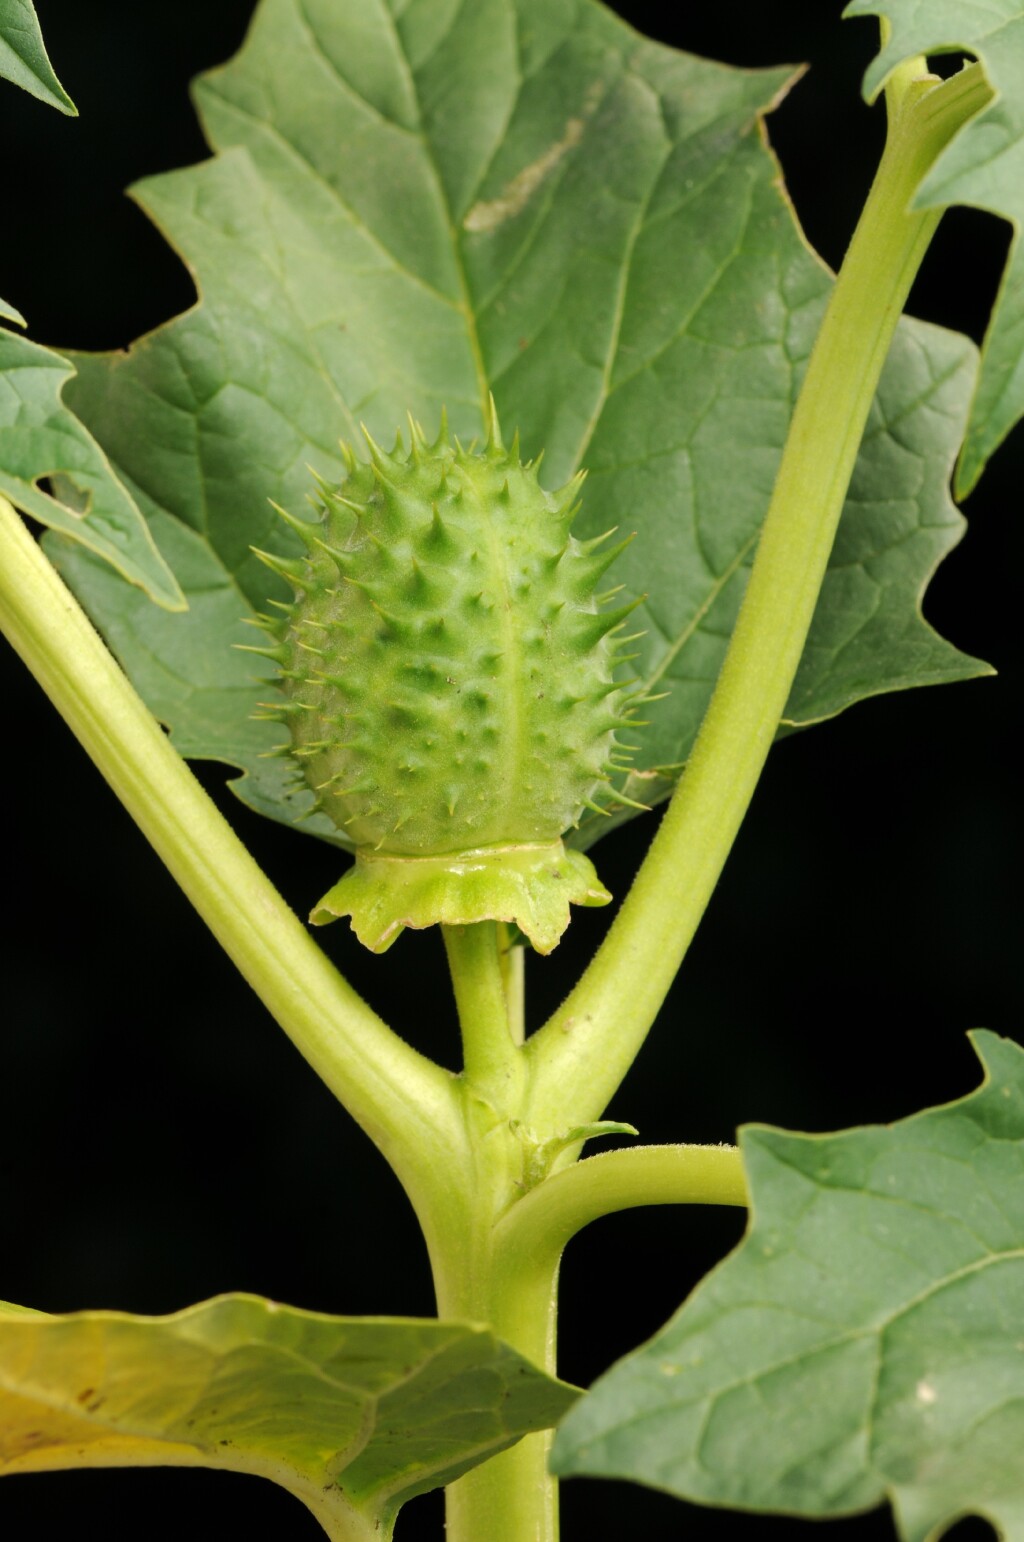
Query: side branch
x,y
405,1103
544,1220
580,1056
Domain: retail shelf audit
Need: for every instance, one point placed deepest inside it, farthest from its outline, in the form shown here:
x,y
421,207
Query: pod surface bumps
x,y
447,679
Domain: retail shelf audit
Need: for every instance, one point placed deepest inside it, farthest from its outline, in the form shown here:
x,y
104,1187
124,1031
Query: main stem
x,y
581,1055
506,1274
511,1498
502,1265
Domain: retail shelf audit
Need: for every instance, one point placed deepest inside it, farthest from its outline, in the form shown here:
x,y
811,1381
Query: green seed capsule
x,y
449,690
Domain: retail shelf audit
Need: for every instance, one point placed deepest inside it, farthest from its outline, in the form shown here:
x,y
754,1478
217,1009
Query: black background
x,y
160,1140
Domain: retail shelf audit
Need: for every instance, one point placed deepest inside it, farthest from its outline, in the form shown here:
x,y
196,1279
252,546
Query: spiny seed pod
x,y
447,681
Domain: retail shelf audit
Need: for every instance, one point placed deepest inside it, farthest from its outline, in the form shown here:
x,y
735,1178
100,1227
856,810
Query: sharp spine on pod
x,y
442,595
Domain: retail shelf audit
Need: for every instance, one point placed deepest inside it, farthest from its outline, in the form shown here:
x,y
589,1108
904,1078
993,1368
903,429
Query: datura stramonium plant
x,y
447,678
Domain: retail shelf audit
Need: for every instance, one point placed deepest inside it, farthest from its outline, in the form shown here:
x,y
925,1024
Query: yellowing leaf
x,y
353,1415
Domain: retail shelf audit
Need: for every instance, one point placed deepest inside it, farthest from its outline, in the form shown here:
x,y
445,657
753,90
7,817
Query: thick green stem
x,y
407,1105
513,1498
581,1055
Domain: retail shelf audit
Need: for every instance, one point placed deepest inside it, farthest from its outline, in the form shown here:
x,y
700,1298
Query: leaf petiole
x,y
546,1218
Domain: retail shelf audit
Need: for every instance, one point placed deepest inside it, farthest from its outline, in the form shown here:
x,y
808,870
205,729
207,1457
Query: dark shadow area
x,y
109,275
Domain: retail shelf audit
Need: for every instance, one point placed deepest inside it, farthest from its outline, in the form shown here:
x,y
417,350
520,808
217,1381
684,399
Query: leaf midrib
x,y
465,303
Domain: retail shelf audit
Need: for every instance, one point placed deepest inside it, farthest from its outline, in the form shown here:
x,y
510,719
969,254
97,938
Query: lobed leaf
x,y
982,168
353,1415
23,57
865,1339
39,439
414,205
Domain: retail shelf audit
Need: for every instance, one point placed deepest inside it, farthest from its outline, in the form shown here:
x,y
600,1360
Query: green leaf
x,y
526,196
981,168
353,1415
40,438
23,56
898,524
864,1341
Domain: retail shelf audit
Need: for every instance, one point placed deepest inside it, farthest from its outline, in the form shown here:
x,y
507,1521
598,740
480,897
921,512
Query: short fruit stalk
x,y
511,1497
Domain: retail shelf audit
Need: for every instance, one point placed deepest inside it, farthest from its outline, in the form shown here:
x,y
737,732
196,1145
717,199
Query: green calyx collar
x,y
530,885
